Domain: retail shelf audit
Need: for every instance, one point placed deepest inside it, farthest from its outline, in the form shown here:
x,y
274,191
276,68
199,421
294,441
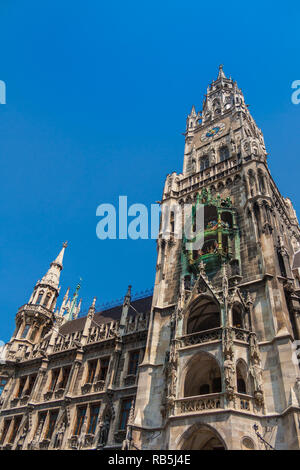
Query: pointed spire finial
x,y
127,297
59,259
221,72
91,311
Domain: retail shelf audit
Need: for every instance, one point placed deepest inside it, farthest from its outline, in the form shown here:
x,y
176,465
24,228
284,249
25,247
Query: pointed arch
x,y
201,375
201,436
204,314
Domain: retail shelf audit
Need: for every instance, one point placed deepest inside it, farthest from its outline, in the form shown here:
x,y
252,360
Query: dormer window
x,y
224,153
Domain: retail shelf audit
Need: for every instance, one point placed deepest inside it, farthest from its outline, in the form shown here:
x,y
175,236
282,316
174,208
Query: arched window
x,y
47,299
39,299
261,183
203,376
204,162
237,317
204,316
202,437
224,153
241,377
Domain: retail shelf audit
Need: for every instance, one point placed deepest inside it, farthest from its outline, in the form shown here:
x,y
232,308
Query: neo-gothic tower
x,y
220,351
36,318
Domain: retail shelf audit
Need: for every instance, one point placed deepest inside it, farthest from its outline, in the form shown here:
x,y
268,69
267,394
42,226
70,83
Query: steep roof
x,y
112,314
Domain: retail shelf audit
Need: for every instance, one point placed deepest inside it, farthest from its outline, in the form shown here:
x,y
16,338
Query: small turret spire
x,y
221,72
73,306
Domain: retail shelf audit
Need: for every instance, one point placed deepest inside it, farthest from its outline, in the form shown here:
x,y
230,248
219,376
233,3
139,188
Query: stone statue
x,y
254,351
228,343
104,430
60,435
256,372
229,374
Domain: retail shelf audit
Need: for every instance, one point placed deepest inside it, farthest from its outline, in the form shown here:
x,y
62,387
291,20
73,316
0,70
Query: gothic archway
x,y
201,437
203,376
205,315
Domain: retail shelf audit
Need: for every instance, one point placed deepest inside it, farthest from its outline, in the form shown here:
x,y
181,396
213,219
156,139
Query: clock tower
x,y
219,368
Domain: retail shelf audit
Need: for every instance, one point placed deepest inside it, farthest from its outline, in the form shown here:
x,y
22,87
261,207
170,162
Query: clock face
x,y
213,131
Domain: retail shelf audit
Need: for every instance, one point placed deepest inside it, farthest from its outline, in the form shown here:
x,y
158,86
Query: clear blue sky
x,y
97,98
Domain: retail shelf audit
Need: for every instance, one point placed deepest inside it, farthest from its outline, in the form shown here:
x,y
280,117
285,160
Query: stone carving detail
x,y
229,367
200,404
60,435
255,369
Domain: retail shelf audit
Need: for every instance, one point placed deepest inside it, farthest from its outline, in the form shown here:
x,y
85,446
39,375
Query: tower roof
x,y
53,274
59,259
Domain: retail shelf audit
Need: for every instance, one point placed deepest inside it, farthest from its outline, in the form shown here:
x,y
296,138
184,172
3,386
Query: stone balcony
x,y
201,337
214,402
211,401
213,335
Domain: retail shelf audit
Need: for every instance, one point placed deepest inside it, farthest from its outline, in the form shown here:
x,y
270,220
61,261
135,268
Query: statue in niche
x,y
60,435
254,351
171,371
229,375
104,430
256,372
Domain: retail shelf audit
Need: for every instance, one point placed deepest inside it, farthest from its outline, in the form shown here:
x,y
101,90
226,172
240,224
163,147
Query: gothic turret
x,y
35,318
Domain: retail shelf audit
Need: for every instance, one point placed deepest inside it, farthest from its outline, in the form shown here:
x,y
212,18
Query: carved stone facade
x,y
209,362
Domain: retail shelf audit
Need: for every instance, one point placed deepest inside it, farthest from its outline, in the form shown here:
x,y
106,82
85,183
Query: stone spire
x,y
52,276
221,73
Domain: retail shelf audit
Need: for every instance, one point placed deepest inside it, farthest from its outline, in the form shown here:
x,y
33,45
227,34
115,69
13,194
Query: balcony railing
x,y
212,401
215,334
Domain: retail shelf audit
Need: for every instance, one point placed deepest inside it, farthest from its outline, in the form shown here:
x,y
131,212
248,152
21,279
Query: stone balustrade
x,y
212,401
215,334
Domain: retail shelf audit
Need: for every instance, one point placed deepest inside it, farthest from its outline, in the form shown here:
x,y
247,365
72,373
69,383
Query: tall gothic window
x,y
51,424
81,412
25,331
5,430
47,299
91,371
224,153
39,298
104,363
16,425
54,379
94,412
22,382
204,163
124,415
65,376
133,362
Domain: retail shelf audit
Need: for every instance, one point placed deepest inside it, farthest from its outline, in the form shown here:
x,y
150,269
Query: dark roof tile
x,y
106,316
